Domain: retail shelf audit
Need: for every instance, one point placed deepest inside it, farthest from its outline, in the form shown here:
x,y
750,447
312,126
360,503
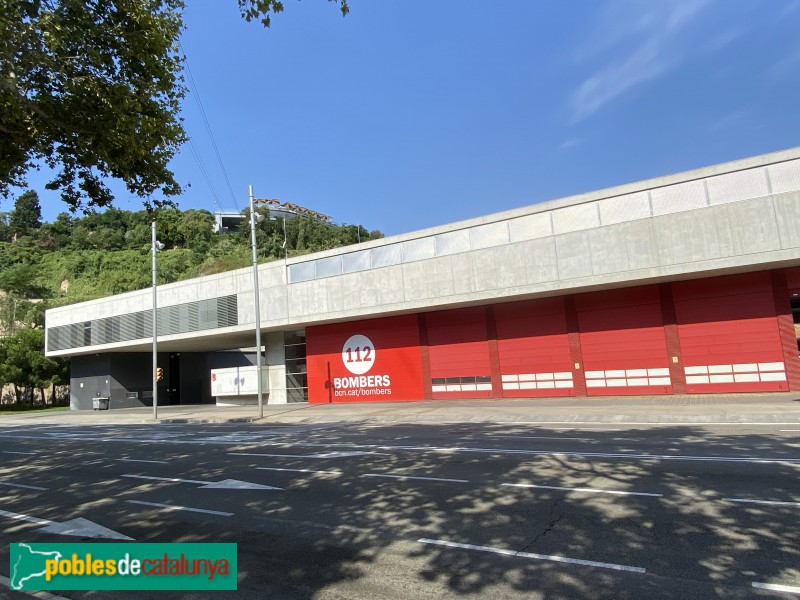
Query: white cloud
x,y
719,41
570,143
785,67
648,35
789,8
728,121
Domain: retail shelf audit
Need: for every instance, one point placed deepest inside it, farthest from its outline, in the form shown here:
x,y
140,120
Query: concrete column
x,y
276,364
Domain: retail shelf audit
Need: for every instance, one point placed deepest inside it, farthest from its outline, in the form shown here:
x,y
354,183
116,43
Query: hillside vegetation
x,y
77,258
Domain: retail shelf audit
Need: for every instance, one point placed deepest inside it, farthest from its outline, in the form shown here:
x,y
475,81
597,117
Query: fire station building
x,y
685,283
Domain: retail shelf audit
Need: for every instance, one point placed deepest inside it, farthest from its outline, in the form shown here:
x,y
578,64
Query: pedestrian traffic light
x,y
159,374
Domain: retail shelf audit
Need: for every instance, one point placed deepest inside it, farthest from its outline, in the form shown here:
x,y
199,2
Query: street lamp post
x,y
155,246
257,306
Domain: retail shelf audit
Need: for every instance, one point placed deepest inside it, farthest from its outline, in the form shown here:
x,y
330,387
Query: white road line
x,y
786,430
650,423
746,459
299,470
537,437
172,479
12,452
136,460
561,559
19,485
747,501
414,477
777,587
271,455
20,517
591,490
186,508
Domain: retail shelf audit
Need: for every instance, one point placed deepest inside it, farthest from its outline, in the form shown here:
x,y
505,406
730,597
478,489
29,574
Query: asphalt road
x,y
430,511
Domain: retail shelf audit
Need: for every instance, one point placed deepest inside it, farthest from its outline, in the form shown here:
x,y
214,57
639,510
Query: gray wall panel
x,y
621,209
487,236
452,242
785,176
531,227
787,209
677,198
574,255
741,185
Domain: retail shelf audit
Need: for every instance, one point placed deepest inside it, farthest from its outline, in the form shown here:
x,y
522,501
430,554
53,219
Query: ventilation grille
x,y
180,318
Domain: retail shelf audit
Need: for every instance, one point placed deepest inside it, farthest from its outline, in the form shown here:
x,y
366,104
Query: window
x,y
294,343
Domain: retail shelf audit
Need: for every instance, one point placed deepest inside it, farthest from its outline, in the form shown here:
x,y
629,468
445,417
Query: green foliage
x,y
93,90
27,214
106,253
23,363
264,9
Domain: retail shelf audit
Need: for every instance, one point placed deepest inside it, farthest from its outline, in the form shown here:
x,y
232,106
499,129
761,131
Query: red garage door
x,y
533,346
622,340
377,359
729,334
458,352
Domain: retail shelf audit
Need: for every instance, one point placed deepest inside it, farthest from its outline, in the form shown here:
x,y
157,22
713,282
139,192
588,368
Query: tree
x,y
93,90
262,9
22,352
27,214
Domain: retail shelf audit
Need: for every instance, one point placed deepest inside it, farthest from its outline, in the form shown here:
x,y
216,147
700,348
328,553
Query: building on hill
x,y
225,222
687,283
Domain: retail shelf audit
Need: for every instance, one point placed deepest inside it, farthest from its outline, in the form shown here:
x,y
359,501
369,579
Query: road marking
x,y
19,485
775,502
538,437
226,484
747,459
136,460
20,517
271,455
79,527
561,559
413,477
785,430
591,490
12,452
341,454
319,455
755,460
299,470
777,587
172,479
650,423
186,508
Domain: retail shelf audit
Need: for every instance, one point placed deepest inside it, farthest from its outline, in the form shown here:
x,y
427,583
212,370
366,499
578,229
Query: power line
x,y
208,128
201,165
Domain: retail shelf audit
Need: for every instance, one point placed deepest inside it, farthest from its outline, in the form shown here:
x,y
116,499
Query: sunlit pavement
x,y
738,408
692,497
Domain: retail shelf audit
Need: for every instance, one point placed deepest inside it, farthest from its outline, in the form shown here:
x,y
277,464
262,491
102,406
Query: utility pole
x,y
257,306
156,246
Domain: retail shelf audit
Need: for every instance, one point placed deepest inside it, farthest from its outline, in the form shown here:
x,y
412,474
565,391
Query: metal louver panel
x,y
181,318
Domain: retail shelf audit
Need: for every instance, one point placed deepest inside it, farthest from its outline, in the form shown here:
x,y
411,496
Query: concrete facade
x,y
731,218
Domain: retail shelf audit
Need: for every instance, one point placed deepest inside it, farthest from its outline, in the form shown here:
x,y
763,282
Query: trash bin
x,y
100,403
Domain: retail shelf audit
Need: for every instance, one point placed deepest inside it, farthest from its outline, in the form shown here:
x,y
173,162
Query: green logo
x,y
115,566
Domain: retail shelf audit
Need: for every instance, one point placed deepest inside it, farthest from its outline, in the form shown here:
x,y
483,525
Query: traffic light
x,y
159,374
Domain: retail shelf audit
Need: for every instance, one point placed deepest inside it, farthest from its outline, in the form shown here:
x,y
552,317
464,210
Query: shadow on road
x,y
353,533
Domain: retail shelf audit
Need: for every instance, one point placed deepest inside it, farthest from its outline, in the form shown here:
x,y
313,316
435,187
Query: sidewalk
x,y
708,409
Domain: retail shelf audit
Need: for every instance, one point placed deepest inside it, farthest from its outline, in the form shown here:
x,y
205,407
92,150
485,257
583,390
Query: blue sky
x,y
408,115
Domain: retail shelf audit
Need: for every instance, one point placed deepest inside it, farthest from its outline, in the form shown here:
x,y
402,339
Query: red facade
x,y
723,334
